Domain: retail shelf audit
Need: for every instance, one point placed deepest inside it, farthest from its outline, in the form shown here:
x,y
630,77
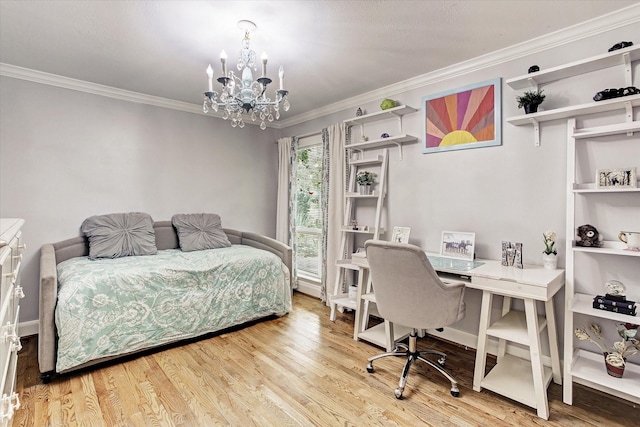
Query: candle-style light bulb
x,y
264,64
223,59
281,75
210,75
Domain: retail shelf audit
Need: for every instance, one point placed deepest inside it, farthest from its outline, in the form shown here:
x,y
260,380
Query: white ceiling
x,y
330,50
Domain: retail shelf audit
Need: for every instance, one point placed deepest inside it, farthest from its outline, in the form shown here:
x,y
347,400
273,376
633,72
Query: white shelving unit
x,y
581,366
617,58
11,249
366,303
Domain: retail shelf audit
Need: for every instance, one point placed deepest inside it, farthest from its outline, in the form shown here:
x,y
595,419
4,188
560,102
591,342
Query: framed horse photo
x,y
458,244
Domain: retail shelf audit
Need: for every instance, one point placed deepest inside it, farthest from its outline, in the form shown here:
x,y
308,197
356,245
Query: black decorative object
x,y
534,68
589,236
616,93
620,45
358,112
384,135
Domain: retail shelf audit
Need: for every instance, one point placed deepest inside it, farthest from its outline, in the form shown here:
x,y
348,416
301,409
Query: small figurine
x,y
534,68
354,224
589,236
358,112
384,135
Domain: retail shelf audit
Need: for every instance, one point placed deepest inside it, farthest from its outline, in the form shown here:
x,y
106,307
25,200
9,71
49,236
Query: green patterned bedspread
x,y
109,307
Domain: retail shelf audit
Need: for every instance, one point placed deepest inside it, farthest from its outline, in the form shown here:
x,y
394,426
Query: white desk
x,y
525,381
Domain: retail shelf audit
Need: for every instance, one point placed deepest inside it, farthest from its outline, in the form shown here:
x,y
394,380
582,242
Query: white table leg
x,y
359,320
502,343
542,404
553,342
481,352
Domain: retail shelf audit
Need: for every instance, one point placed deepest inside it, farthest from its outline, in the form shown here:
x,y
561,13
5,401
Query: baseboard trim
x,y
29,328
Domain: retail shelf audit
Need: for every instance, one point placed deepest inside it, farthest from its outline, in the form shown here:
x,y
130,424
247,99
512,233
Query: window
x,y
308,209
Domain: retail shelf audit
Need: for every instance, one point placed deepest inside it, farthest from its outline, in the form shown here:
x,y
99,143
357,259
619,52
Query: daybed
x,y
84,322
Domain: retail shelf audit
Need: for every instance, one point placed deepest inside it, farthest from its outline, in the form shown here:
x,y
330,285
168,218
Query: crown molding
x,y
623,17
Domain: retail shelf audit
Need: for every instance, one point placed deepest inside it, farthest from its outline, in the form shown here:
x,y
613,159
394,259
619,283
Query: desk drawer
x,y
510,288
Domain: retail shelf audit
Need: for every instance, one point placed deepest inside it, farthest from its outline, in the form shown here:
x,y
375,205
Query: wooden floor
x,y
300,369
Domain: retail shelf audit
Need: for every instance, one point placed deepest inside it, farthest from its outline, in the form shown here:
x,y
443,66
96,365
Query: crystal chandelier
x,y
243,95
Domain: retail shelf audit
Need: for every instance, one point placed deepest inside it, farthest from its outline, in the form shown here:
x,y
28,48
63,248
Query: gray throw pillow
x,y
120,234
200,231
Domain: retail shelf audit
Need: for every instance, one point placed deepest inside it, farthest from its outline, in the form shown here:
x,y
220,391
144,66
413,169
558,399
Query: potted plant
x,y
549,255
615,356
530,100
365,180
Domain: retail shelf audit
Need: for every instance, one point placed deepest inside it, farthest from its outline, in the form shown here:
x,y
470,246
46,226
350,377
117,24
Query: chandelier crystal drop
x,y
244,95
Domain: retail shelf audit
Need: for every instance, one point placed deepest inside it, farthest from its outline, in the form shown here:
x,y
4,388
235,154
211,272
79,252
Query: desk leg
x,y
360,320
481,352
502,343
542,405
553,342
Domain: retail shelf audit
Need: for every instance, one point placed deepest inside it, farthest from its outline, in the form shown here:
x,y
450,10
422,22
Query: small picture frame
x,y
617,177
458,244
401,234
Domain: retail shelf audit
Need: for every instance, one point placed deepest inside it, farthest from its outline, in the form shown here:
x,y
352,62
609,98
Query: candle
x,y
210,74
223,59
281,75
264,64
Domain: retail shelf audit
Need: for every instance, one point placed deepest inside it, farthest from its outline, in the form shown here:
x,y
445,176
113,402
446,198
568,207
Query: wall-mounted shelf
x,y
393,140
609,247
381,115
595,63
625,102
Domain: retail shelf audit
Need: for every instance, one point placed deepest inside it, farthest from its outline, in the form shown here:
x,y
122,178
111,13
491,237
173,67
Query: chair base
x,y
412,354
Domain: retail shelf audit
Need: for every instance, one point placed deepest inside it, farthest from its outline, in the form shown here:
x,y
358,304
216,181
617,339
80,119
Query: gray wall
x,y
515,191
67,155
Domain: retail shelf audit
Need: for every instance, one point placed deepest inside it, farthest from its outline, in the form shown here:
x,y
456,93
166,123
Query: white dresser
x,y
11,249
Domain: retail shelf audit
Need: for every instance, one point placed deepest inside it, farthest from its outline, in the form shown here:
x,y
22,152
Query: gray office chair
x,y
409,292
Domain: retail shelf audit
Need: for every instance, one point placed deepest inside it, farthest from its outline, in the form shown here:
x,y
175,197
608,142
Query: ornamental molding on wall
x,y
600,25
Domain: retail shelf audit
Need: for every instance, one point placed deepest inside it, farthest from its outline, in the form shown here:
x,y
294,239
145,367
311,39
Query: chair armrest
x,y
47,306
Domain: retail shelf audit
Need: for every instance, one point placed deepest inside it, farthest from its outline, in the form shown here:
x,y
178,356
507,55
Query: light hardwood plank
x,y
297,370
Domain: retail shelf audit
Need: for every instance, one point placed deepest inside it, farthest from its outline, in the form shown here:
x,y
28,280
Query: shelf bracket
x,y
533,83
628,78
536,131
399,149
628,114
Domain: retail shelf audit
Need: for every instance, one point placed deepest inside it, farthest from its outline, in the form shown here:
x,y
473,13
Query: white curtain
x,y
336,135
282,203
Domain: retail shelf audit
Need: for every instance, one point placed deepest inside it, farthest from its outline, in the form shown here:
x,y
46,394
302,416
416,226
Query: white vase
x,y
364,189
550,261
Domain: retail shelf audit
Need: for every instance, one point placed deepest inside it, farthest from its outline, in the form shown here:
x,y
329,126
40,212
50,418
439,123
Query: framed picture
x,y
466,117
458,244
621,177
401,234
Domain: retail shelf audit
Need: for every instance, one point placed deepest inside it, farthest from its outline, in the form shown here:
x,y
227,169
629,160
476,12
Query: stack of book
x,y
614,303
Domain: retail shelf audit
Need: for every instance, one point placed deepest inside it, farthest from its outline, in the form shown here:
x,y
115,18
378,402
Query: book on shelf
x,y
630,305
612,309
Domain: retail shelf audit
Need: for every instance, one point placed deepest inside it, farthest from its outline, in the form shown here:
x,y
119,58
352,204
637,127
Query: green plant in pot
x,y
530,100
365,180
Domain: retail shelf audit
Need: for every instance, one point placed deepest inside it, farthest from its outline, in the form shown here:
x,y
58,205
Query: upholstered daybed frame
x,y
53,254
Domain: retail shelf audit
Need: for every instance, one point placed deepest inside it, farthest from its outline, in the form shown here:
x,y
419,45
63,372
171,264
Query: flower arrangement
x,y
366,178
549,241
617,354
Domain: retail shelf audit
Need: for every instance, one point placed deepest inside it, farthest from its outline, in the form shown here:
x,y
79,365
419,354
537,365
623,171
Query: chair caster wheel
x,y
370,368
455,392
398,393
